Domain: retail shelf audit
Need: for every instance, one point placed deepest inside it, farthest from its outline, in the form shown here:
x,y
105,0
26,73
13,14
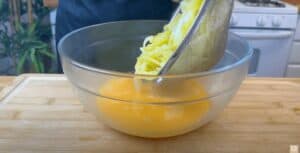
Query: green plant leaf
x,y
31,29
41,65
20,28
21,62
47,53
34,60
38,44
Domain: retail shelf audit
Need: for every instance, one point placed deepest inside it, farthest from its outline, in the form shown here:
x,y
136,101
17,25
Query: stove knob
x,y
276,22
261,21
233,21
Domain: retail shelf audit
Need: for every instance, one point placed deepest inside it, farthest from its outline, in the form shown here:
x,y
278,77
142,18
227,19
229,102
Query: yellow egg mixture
x,y
131,112
138,117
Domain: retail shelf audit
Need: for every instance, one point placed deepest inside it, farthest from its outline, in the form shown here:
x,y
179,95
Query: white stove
x,y
273,7
264,16
269,28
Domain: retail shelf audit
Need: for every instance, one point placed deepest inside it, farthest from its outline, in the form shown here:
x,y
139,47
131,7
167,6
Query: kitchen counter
x,y
294,2
39,113
5,81
293,69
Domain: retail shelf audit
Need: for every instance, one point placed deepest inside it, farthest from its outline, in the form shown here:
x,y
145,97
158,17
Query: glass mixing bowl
x,y
99,62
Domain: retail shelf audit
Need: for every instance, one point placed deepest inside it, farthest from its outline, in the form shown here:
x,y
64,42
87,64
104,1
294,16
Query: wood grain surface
x,y
40,114
5,81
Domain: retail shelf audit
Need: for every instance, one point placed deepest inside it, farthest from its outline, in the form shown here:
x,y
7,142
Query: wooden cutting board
x,y
40,114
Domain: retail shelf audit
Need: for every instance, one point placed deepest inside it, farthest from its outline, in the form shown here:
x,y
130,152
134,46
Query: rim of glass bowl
x,y
228,67
242,60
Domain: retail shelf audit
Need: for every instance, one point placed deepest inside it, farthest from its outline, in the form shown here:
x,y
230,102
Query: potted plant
x,y
24,39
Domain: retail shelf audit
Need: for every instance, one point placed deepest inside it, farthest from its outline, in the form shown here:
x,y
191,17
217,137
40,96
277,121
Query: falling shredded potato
x,y
157,49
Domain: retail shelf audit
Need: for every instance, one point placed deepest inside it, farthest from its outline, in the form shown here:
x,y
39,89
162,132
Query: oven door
x,y
271,50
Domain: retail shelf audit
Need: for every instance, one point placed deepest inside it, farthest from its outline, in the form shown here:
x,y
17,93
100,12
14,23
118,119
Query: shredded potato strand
x,y
157,50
